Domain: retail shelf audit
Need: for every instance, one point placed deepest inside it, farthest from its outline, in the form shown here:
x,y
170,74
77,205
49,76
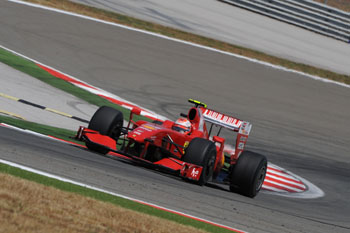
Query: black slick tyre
x,y
248,174
201,152
107,121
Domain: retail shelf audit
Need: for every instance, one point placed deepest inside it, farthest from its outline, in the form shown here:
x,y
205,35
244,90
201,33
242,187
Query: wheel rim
x,y
261,177
115,131
210,166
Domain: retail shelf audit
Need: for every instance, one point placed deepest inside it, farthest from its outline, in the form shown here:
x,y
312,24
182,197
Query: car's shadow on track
x,y
169,174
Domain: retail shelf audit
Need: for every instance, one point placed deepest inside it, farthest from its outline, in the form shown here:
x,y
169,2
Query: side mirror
x,y
136,110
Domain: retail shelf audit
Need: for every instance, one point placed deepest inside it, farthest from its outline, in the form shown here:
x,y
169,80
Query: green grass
x,y
39,128
30,68
64,134
132,205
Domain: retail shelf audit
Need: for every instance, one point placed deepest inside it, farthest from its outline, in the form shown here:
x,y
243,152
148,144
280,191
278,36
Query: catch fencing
x,y
308,14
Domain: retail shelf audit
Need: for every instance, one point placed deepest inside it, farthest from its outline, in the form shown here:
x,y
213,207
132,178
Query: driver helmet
x,y
182,125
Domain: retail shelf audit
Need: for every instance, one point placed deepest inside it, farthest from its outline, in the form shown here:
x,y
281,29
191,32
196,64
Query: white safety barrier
x,y
308,14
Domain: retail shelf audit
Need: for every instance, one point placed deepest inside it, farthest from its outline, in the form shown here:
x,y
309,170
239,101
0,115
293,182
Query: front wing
x,y
169,165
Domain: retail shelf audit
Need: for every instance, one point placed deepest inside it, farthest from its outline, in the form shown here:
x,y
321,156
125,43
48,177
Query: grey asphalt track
x,y
228,23
299,123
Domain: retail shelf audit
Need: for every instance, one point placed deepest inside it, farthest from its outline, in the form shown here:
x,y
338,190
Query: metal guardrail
x,y
304,13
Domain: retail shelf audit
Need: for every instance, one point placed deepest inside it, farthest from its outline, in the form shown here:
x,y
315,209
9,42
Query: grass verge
x,y
340,4
96,195
39,128
26,205
30,68
64,134
171,32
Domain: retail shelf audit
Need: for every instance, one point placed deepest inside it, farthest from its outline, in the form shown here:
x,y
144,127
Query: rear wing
x,y
226,121
242,127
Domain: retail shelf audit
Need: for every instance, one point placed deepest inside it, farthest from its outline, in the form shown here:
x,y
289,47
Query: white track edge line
x,y
271,189
109,192
184,42
26,131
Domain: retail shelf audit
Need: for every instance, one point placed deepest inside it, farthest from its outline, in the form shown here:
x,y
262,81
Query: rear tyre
x,y
107,121
201,152
248,174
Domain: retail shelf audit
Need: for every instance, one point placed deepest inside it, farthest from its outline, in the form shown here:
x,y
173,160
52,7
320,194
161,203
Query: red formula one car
x,y
184,147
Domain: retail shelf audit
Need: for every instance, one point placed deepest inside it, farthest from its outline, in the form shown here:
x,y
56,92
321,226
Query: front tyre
x,y
201,152
248,174
107,121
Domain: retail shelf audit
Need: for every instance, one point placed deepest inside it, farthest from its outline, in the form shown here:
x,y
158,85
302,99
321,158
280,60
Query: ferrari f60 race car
x,y
185,147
